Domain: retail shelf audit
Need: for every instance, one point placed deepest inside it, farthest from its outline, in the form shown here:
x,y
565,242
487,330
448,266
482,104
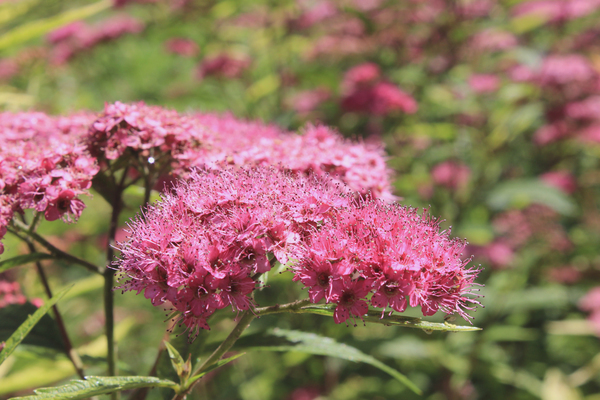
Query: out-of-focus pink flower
x,y
493,40
74,38
363,74
10,293
388,98
8,69
562,180
567,275
557,70
550,133
365,92
305,393
182,46
306,101
562,69
556,10
475,8
452,175
223,65
66,32
500,254
591,134
591,301
585,109
319,12
484,83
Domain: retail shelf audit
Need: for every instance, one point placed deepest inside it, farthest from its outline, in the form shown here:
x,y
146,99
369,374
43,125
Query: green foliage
x,y
21,260
97,385
286,340
23,330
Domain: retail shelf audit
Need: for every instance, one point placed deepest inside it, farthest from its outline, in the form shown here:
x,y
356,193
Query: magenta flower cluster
x,y
46,162
43,166
182,142
203,246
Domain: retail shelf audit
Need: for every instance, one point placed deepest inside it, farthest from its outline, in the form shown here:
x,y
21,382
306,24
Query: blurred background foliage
x,y
503,144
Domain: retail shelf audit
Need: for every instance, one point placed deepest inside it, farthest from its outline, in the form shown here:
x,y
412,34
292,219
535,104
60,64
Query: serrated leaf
x,y
21,260
44,334
216,365
287,340
20,334
522,192
97,385
376,317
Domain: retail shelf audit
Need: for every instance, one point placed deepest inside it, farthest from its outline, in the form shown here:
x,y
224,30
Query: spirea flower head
x,y
43,166
202,246
168,142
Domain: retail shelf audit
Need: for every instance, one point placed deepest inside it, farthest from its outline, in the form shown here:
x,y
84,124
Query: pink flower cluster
x,y
202,247
43,166
184,141
366,91
48,162
10,293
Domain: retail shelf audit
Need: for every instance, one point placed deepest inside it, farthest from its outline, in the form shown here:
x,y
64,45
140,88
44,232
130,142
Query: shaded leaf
x,y
20,334
97,385
287,340
45,333
21,260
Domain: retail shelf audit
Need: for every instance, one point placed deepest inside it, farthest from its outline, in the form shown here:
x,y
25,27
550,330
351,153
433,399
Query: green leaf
x,y
44,334
97,385
522,192
216,365
376,317
20,334
286,340
39,28
21,260
182,368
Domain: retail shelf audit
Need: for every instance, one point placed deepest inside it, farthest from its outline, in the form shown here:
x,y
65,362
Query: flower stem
x,y
109,277
71,353
54,251
223,348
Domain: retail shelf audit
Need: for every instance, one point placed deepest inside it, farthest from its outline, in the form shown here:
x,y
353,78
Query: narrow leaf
x,y
216,365
376,317
27,326
97,385
21,260
286,340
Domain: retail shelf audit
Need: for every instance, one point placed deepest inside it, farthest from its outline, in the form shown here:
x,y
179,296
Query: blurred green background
x,y
504,147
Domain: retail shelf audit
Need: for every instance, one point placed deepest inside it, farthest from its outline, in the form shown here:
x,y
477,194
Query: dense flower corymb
x,y
203,246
